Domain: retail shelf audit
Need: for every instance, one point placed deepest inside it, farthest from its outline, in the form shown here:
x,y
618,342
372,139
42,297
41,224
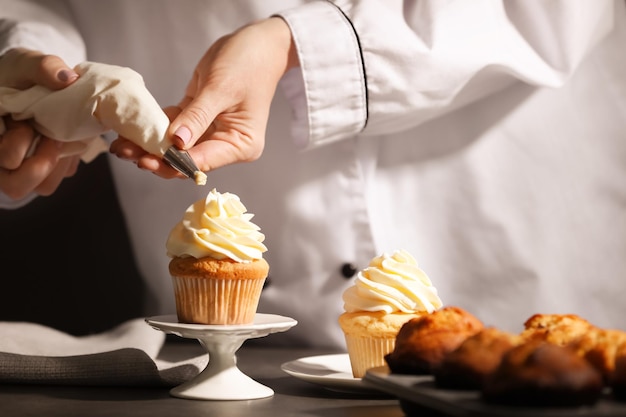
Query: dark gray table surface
x,y
293,397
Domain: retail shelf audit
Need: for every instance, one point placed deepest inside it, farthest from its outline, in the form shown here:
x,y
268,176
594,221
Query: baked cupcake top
x,y
217,227
393,284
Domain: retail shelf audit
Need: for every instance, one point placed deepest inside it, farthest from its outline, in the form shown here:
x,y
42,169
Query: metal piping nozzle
x,y
181,161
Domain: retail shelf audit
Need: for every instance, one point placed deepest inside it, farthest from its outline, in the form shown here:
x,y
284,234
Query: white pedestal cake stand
x,y
221,379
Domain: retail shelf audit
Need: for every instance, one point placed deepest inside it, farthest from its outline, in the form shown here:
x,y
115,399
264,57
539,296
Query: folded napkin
x,y
104,97
127,355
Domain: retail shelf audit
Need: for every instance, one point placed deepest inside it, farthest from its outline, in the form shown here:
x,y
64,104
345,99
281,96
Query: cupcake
x,y
217,264
389,292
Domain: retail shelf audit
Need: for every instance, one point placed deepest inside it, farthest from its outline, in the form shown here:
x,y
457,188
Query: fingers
x,y
15,143
159,167
193,121
21,68
42,172
127,150
36,172
65,168
52,72
226,148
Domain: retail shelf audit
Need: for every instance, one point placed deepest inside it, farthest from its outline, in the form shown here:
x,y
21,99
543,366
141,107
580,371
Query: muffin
x,y
538,373
217,264
599,347
558,329
422,343
390,291
469,365
618,376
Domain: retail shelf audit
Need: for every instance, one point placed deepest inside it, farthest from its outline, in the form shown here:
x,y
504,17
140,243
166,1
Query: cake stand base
x,y
221,379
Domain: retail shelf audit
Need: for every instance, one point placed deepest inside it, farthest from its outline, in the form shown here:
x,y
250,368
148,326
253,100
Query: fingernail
x,y
183,134
67,75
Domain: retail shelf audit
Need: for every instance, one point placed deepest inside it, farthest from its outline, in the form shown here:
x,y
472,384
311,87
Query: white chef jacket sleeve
x,y
374,67
44,26
7,202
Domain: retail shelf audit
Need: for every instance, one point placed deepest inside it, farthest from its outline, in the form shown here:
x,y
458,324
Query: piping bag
x,y
104,97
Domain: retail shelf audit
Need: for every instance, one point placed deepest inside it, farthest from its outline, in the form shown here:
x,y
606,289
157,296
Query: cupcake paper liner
x,y
216,301
367,352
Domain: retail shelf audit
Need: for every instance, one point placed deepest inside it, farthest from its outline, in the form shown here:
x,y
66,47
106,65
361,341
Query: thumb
x,y
193,121
22,68
53,72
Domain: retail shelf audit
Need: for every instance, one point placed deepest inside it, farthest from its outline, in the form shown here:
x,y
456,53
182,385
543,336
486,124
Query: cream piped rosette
x,y
218,227
392,283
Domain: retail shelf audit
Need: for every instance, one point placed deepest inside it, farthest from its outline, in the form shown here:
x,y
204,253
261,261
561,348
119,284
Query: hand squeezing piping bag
x,y
104,97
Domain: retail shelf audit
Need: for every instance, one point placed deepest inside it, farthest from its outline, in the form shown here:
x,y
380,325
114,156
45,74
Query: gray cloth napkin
x,y
127,355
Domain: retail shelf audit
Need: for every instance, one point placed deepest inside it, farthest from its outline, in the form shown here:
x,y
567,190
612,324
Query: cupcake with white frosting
x,y
217,264
392,290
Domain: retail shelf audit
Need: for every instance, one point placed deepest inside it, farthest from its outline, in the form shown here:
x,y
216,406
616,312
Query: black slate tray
x,y
418,396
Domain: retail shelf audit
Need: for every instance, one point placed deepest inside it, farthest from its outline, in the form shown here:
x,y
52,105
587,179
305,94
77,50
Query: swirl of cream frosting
x,y
217,227
392,283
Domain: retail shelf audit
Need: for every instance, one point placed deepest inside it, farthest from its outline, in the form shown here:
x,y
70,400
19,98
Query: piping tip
x,y
182,162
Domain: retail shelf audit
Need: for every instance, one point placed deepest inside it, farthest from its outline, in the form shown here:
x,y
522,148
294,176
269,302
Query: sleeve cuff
x,y
329,93
7,203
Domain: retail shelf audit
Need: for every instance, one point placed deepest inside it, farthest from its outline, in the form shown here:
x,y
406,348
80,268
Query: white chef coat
x,y
488,138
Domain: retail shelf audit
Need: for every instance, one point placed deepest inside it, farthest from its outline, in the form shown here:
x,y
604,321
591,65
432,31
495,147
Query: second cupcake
x,y
392,290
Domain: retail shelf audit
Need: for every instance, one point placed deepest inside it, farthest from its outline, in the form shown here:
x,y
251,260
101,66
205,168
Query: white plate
x,y
330,371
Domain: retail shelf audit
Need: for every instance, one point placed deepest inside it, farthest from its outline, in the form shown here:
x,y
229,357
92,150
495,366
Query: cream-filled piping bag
x,y
104,97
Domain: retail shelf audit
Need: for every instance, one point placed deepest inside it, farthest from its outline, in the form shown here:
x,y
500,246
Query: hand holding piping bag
x,y
223,116
104,97
30,163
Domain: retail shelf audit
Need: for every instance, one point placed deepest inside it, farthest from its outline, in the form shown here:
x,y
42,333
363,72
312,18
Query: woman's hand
x,y
223,117
29,162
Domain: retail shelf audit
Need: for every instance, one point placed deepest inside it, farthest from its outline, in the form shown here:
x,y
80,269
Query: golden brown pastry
x,y
423,342
537,373
559,329
478,356
599,347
